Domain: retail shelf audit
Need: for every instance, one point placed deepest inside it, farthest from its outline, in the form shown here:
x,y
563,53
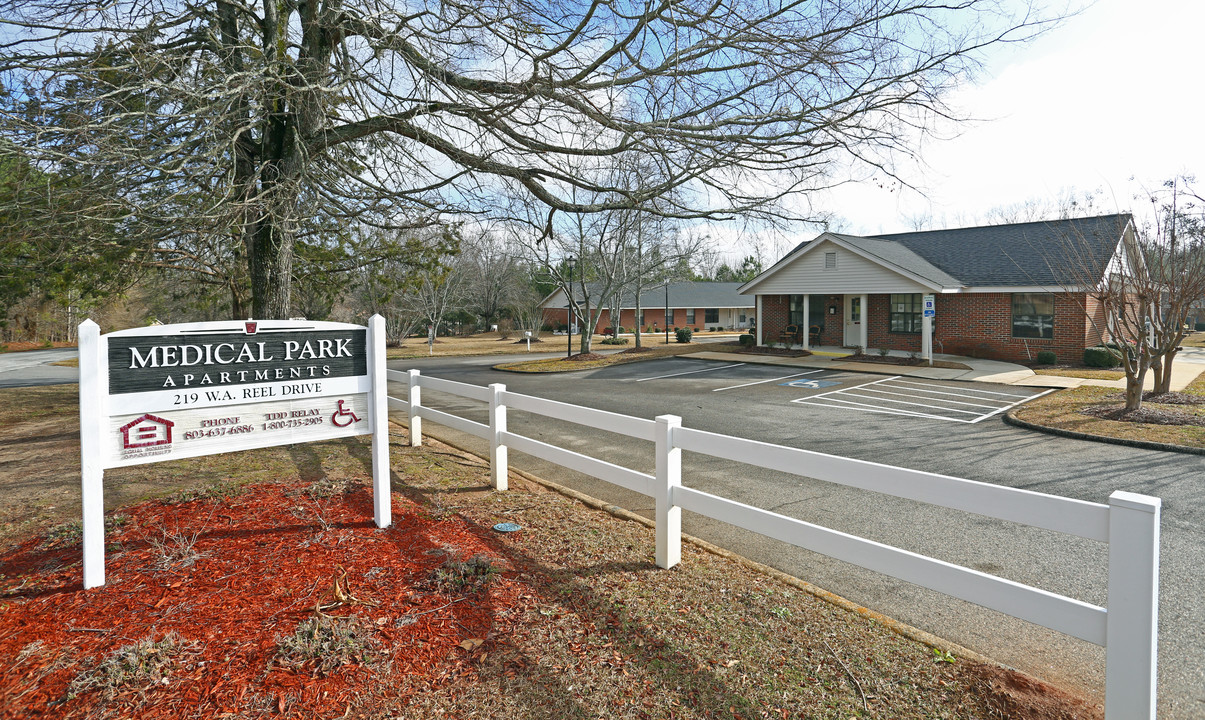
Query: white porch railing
x,y
1128,629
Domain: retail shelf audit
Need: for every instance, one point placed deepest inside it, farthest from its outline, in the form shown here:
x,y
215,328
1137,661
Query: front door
x,y
853,320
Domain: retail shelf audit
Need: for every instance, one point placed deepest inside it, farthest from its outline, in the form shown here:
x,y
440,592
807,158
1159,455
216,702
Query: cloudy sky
x,y
1113,94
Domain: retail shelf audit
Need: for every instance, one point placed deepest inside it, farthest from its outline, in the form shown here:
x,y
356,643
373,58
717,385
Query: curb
x,y
1011,419
899,628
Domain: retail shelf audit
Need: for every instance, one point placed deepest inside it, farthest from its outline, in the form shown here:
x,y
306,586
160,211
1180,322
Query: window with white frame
x,y
905,313
1033,315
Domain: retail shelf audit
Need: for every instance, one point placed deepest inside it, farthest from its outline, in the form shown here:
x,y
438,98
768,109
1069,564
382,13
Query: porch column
x,y
806,327
864,333
758,319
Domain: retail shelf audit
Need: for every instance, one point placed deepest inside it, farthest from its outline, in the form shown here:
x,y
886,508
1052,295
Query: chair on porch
x,y
814,335
789,336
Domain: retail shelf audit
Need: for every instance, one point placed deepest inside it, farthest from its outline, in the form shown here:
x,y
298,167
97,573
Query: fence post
x,y
669,475
93,385
1132,623
498,459
415,399
382,500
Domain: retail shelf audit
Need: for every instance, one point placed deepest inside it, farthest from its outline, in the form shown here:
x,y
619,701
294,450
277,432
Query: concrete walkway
x,y
1185,369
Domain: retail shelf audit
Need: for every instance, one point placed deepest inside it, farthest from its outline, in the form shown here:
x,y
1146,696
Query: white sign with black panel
x,y
175,391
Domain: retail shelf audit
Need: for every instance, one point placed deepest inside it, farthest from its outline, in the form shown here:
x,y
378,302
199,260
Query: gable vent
x,y
830,261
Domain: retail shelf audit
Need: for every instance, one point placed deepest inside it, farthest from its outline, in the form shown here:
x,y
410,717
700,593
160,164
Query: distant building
x,y
697,305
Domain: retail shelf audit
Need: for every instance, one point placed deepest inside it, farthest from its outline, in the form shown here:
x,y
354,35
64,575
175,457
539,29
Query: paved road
x,y
988,451
23,369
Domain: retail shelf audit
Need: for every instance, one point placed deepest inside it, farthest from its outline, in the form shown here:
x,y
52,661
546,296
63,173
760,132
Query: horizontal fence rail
x,y
598,419
1129,524
1050,512
601,469
1064,614
455,422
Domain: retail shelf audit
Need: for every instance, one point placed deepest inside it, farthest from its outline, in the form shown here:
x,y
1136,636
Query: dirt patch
x,y
1021,697
585,357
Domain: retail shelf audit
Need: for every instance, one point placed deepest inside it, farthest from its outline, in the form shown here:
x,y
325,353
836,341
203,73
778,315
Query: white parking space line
x,y
906,402
1010,407
690,372
759,382
863,407
884,396
855,387
926,397
964,390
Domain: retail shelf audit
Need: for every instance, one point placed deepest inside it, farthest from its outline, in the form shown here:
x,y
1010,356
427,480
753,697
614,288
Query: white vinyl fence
x,y
1128,629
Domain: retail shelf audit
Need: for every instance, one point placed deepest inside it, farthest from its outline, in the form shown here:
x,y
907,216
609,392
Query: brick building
x,y
1002,291
697,305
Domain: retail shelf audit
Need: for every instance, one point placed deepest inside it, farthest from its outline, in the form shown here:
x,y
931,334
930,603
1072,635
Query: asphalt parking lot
x,y
907,397
792,406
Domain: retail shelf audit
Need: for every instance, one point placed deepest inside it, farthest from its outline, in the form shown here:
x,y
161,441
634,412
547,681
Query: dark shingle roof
x,y
694,295
1036,253
1043,253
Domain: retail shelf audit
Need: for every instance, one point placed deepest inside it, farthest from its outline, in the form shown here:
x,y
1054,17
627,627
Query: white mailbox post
x,y
177,391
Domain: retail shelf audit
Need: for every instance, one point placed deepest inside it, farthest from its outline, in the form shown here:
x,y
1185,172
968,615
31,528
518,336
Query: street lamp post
x,y
569,313
667,315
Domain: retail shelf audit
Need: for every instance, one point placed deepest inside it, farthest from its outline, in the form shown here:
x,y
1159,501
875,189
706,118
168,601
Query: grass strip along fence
x,y
1129,523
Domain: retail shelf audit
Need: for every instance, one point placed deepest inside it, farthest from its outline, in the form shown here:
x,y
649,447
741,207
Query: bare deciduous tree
x,y
265,121
1142,302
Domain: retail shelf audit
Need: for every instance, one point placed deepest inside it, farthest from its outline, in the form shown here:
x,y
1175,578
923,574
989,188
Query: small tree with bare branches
x,y
1142,301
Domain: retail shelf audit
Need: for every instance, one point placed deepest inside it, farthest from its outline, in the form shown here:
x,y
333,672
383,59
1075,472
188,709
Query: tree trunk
x,y
271,272
589,319
1134,391
637,319
1163,374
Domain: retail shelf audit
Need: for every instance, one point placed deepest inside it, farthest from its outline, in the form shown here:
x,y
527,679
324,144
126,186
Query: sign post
x,y
176,391
928,311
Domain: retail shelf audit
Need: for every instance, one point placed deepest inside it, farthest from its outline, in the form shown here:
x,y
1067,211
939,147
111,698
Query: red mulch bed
x,y
267,558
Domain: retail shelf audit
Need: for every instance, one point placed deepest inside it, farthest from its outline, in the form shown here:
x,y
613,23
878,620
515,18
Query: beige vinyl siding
x,y
853,274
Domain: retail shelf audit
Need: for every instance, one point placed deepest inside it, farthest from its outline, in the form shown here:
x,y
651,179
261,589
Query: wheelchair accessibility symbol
x,y
810,384
343,416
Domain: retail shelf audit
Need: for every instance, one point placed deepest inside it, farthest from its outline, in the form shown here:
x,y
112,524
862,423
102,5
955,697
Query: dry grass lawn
x,y
1196,339
1087,373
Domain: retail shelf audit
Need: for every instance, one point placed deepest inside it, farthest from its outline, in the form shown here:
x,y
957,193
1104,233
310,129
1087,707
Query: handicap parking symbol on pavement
x,y
810,384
